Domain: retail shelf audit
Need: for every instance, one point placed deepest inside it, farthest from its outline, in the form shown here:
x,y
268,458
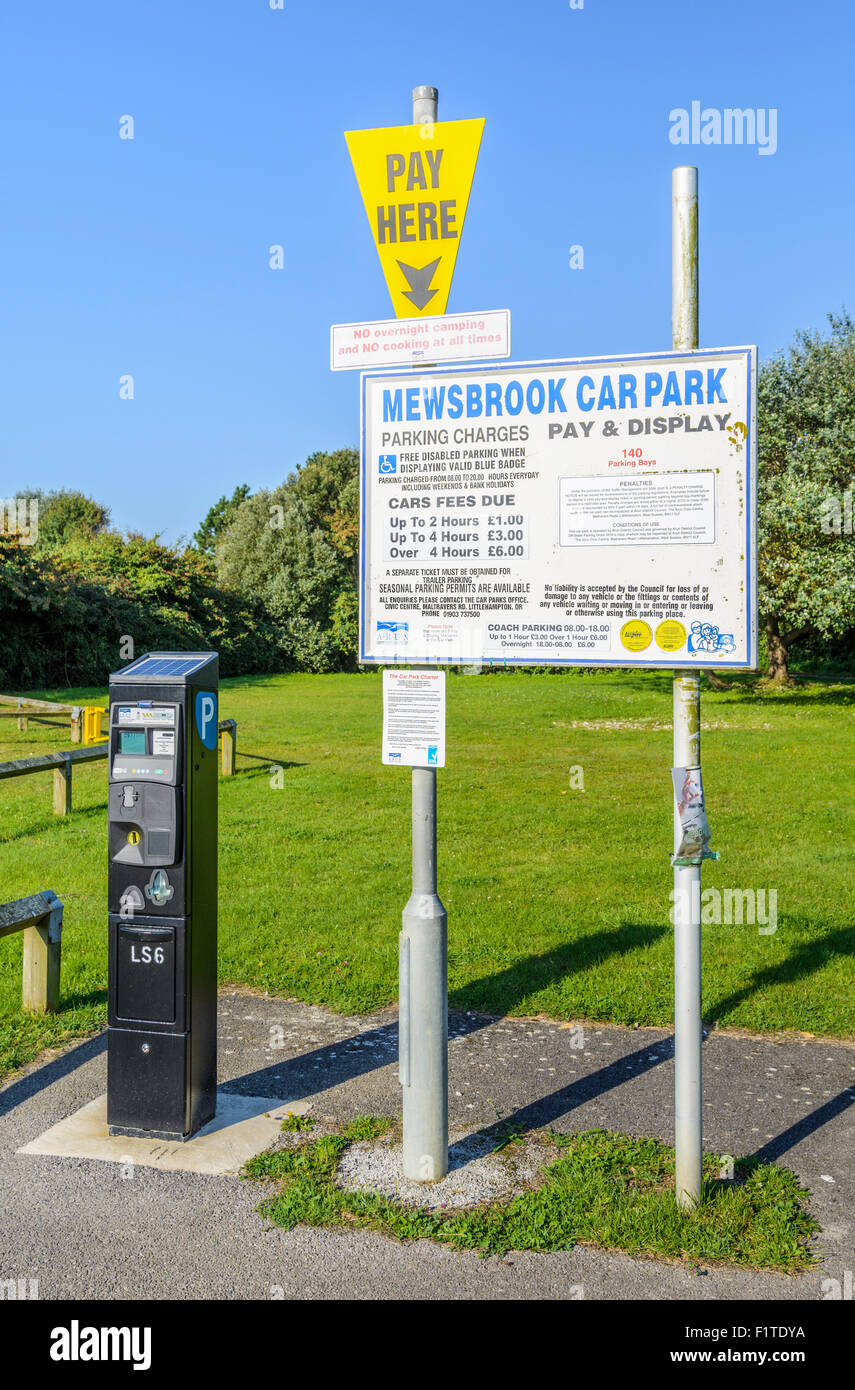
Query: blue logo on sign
x,y
433,753
388,463
206,717
393,632
705,637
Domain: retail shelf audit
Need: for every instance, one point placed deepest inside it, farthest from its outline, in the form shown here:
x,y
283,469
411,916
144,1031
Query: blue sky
x,y
150,256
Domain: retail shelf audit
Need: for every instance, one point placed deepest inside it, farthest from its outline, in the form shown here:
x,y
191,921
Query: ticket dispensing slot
x,y
143,821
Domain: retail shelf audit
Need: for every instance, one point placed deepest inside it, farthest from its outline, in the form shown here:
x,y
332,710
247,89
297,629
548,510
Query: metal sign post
x,y
423,999
687,753
423,950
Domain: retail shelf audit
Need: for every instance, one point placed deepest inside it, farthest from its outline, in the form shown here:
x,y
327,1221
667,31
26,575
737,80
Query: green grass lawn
x,y
557,897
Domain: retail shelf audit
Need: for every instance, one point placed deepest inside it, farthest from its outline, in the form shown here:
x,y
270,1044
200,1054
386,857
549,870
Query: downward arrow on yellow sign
x,y
415,182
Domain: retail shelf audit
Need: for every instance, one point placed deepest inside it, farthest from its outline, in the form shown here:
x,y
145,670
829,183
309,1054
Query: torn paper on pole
x,y
695,833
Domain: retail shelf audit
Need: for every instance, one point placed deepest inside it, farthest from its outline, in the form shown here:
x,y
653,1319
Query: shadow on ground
x,y
505,990
807,958
41,1077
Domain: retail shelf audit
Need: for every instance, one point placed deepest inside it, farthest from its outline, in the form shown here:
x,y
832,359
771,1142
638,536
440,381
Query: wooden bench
x,y
39,917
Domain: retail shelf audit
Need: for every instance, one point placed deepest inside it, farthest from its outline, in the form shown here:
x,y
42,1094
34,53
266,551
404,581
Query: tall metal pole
x,y
425,104
687,753
423,952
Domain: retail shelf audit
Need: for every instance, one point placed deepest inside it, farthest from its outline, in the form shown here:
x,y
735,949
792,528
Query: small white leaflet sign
x,y
403,342
414,718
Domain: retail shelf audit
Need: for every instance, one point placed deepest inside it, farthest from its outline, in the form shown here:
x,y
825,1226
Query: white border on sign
x,y
406,374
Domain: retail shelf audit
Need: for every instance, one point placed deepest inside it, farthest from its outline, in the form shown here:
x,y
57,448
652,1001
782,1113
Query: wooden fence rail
x,y
23,708
63,763
39,917
45,706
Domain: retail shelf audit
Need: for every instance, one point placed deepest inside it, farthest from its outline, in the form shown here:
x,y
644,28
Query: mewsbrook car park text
x,y
493,398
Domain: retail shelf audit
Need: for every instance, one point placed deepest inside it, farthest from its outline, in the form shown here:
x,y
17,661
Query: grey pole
x,y
684,257
423,954
687,753
423,986
425,102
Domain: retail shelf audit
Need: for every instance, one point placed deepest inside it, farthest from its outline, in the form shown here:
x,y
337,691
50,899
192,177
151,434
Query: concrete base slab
x,y
243,1126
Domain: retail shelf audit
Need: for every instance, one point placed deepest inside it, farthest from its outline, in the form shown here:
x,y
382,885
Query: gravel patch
x,y
476,1172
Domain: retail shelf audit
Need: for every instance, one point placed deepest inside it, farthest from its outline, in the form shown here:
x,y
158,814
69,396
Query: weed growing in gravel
x,y
297,1124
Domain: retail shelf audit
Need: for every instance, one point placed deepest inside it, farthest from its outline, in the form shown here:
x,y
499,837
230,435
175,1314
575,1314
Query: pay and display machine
x,y
162,894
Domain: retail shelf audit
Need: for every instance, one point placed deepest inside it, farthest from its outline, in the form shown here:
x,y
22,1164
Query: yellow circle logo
x,y
670,635
636,635
133,837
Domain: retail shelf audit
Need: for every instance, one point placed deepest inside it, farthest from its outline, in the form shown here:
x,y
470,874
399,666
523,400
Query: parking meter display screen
x,y
132,741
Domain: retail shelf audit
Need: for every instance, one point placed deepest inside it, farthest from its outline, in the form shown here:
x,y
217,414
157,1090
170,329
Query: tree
x,y
67,516
806,434
65,614
296,549
218,520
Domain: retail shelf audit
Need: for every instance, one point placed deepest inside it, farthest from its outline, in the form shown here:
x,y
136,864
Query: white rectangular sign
x,y
590,511
397,342
655,509
414,718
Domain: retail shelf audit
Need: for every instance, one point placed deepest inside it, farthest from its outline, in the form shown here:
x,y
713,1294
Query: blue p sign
x,y
206,717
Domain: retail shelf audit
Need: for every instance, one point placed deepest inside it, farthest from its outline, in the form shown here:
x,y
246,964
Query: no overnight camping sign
x,y
595,511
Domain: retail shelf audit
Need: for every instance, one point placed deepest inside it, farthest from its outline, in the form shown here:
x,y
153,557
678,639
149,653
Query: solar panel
x,y
167,666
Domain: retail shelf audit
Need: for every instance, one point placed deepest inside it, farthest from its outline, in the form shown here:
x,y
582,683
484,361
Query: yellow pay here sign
x,y
415,182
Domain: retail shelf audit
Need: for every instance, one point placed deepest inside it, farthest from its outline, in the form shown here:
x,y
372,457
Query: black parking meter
x,y
162,895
